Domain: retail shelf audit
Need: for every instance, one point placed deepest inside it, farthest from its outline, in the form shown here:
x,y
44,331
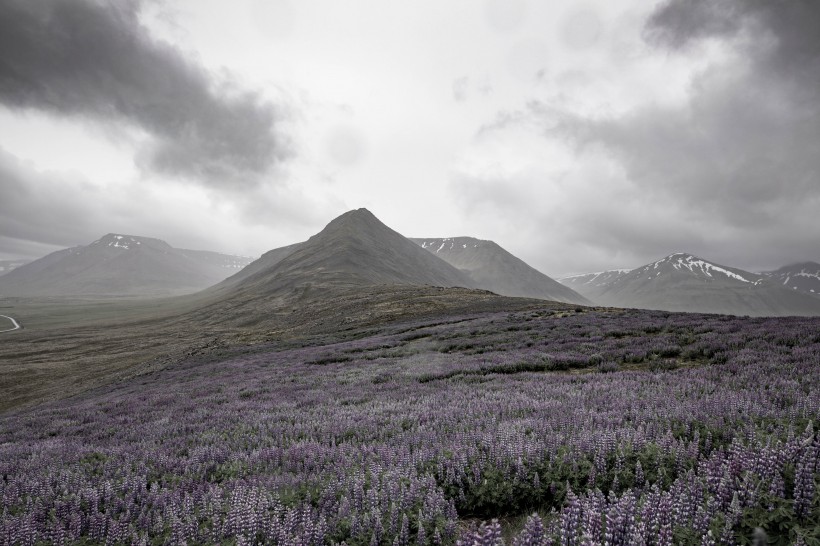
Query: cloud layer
x,y
731,172
744,148
93,59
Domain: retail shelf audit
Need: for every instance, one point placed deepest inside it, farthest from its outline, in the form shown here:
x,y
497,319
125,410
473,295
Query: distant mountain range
x,y
121,265
492,268
683,282
357,250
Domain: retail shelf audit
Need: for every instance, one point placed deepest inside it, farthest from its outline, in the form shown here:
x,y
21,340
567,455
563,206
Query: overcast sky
x,y
579,135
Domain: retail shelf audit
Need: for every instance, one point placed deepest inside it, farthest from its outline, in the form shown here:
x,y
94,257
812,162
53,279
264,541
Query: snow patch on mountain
x,y
596,278
809,274
681,260
447,243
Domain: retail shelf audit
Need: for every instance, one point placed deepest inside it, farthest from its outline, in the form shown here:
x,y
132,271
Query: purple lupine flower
x,y
707,539
533,533
639,477
804,488
404,533
570,519
488,534
421,536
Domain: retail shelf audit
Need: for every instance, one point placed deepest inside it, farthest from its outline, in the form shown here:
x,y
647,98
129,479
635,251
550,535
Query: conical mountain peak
x,y
355,248
354,220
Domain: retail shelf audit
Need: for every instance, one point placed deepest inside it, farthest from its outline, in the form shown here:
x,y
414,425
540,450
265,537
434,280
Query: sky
x,y
579,135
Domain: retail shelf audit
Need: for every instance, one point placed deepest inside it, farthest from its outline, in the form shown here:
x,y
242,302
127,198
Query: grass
x,y
68,346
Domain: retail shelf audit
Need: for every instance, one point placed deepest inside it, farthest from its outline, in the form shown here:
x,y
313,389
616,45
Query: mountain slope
x,y
803,277
682,282
120,265
266,261
355,249
6,266
492,268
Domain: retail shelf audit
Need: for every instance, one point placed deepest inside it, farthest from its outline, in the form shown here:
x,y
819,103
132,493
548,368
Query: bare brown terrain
x,y
66,347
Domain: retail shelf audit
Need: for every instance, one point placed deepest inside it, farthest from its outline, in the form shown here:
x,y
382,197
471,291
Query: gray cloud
x,y
745,145
43,211
465,88
731,174
677,23
93,58
779,39
742,153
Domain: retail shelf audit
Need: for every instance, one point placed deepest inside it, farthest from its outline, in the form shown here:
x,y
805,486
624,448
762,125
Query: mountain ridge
x,y
493,268
120,265
683,282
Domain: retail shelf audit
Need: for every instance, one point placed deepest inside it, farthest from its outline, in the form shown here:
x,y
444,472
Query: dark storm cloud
x,y
740,157
781,38
732,173
746,143
93,58
677,23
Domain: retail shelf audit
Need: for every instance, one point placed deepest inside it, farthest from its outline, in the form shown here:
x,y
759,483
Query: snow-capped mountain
x,y
120,265
588,284
803,277
683,282
492,268
692,266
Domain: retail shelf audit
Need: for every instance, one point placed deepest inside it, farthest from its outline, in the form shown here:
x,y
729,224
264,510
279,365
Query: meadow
x,y
537,427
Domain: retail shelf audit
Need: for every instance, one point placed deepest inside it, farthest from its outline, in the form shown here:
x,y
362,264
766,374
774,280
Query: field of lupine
x,y
536,428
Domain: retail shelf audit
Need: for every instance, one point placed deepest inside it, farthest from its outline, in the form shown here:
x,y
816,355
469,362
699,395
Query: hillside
x,y
120,265
492,268
268,260
7,266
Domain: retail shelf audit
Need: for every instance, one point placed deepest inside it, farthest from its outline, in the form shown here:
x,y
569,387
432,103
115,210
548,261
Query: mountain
x,y
355,249
6,266
682,282
590,284
803,277
120,265
264,262
492,268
